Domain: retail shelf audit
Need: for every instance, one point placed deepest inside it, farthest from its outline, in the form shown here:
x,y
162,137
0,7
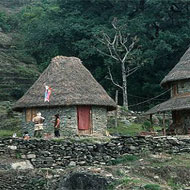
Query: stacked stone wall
x,y
59,154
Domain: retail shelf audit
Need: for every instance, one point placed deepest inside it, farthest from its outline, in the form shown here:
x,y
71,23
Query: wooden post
x,y
116,101
151,122
164,124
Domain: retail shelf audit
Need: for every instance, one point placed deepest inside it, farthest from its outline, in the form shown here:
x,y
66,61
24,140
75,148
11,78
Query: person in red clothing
x,y
57,126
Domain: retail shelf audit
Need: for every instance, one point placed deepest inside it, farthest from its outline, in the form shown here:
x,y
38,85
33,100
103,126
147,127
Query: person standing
x,y
38,125
57,126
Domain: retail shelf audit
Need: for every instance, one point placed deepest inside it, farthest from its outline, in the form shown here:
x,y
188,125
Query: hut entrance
x,y
84,119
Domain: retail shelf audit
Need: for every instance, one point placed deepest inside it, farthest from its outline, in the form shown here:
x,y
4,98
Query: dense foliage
x,y
70,27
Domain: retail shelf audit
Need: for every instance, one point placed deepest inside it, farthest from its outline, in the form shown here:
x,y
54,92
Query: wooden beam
x,y
151,120
164,124
151,123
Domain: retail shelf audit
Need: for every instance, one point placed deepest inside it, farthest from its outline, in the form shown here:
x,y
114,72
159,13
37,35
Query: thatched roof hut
x,y
178,80
71,83
180,72
178,103
76,96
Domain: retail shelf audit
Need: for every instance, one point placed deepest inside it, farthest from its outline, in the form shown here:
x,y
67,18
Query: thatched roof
x,y
176,103
71,83
181,71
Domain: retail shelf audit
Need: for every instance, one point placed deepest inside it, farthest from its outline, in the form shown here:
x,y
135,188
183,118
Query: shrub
x,y
124,159
147,126
152,187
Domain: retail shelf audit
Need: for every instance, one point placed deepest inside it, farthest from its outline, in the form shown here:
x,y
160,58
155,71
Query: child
x,y
57,126
26,136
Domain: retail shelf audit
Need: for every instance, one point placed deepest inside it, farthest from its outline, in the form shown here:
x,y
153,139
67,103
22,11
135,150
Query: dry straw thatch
x,y
71,83
180,72
177,103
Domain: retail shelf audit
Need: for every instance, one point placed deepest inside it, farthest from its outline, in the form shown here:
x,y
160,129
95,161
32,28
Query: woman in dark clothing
x,y
57,126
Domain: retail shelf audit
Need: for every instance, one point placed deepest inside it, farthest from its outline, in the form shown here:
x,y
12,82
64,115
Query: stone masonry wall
x,y
99,120
183,87
59,154
68,117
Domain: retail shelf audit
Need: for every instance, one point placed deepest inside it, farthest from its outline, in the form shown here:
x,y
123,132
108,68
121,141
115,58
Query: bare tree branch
x,y
111,53
100,40
111,78
114,41
114,23
131,72
107,38
108,55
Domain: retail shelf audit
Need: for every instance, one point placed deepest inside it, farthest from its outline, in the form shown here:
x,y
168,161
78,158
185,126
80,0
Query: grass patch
x,y
9,133
182,160
124,183
174,185
132,130
124,159
123,129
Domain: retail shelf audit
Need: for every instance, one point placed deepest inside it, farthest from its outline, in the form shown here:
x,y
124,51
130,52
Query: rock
x,y
5,40
22,165
83,181
126,122
12,147
173,141
132,147
30,156
110,144
82,163
72,163
187,188
23,156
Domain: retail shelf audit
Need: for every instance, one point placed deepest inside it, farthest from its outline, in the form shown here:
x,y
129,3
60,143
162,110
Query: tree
x,y
120,48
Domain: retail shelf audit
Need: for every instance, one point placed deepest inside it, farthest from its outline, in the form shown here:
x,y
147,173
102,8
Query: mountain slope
x,y
18,71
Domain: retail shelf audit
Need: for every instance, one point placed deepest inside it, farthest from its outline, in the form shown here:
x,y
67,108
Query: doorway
x,y
84,119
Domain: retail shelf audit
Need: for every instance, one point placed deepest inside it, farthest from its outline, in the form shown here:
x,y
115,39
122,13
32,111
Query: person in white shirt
x,y
38,125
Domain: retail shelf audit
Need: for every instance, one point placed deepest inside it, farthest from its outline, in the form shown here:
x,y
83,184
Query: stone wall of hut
x,y
181,121
183,87
99,120
68,117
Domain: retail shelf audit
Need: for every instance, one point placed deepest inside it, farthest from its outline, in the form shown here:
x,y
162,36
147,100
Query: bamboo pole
x,y
164,124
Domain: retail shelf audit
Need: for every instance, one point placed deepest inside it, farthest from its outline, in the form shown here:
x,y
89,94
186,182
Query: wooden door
x,y
30,114
84,119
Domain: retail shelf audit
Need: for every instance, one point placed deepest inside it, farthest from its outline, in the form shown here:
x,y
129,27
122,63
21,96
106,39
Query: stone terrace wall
x,y
59,154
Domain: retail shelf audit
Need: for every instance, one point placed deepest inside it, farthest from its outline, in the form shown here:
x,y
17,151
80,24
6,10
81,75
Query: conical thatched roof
x,y
71,83
181,71
177,103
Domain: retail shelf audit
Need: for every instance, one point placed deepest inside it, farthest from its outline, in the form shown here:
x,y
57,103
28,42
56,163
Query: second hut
x,y
178,81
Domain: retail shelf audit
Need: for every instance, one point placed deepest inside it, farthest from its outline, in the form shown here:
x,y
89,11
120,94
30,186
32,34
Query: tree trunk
x,y
116,101
124,85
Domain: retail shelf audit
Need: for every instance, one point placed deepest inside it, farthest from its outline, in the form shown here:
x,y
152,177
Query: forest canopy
x,y
70,27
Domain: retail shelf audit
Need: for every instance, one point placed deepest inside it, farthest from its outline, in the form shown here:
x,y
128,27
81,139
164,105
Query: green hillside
x,y
18,70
